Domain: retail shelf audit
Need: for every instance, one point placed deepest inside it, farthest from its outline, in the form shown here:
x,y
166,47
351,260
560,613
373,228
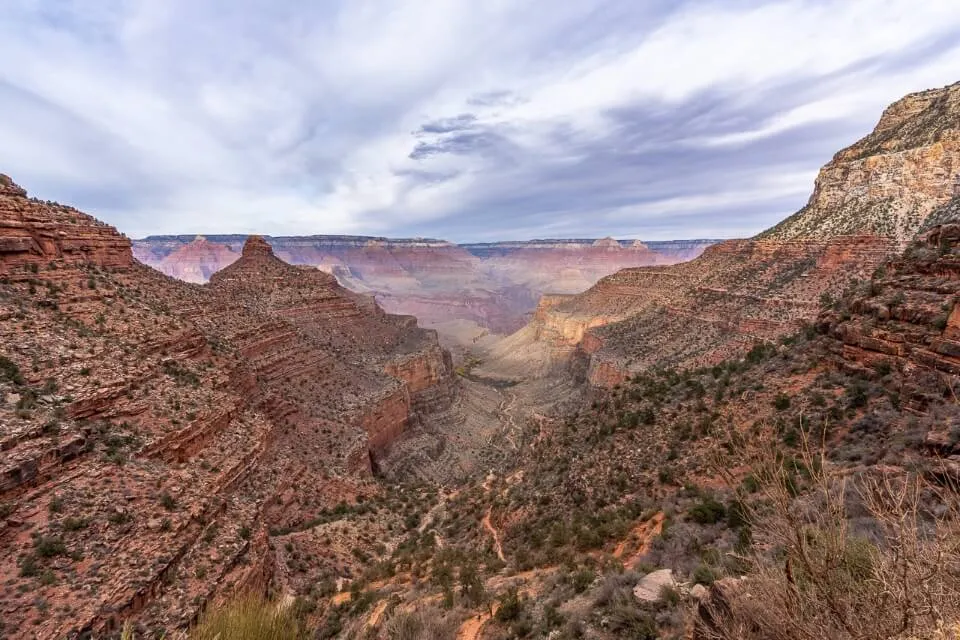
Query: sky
x,y
456,119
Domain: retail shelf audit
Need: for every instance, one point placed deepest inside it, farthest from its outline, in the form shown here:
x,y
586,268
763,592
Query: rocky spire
x,y
256,246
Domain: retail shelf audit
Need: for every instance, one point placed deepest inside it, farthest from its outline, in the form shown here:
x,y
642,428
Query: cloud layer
x,y
451,118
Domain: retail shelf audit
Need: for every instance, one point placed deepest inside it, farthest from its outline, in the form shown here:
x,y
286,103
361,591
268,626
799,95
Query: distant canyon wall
x,y
495,286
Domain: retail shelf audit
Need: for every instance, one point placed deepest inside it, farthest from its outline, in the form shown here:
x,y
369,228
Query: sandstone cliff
x,y
887,183
153,432
867,202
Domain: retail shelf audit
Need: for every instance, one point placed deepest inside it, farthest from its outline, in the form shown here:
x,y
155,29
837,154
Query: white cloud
x,y
284,118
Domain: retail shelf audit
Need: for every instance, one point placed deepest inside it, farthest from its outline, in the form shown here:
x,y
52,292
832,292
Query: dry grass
x,y
248,618
426,624
870,556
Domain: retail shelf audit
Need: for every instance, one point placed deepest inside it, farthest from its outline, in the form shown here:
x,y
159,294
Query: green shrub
x,y
74,524
703,574
10,371
581,580
781,402
708,511
50,546
168,501
28,566
511,607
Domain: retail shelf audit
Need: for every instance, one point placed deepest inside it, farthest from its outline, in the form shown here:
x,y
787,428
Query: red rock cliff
x,y
35,233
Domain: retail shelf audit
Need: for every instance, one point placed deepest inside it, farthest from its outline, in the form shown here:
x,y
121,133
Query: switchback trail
x,y
496,535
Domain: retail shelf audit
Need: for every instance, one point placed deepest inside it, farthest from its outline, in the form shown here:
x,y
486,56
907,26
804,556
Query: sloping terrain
x,y
155,432
739,291
618,519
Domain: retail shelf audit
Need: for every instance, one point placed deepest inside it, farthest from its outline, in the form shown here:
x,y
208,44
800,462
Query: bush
x,y
815,575
28,566
703,574
781,402
10,371
582,580
511,607
50,546
708,511
626,619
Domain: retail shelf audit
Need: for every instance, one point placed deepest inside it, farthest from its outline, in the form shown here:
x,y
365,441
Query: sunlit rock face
x,y
887,183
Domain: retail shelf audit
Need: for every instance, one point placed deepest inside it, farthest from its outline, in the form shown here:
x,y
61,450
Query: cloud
x,y
466,120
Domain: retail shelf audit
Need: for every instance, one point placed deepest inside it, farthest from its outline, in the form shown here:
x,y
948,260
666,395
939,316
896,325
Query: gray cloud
x,y
451,118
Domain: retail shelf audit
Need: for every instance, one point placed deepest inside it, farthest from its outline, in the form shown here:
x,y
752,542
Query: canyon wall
x,y
153,432
867,203
495,286
889,182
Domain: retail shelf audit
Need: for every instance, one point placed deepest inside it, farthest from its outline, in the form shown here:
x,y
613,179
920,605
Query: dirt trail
x,y
506,416
645,532
471,629
493,532
374,619
431,516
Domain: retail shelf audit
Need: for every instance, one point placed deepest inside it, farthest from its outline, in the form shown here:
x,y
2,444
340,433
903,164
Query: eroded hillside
x,y
155,432
740,291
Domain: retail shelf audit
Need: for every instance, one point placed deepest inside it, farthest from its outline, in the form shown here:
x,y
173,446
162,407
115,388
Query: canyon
x,y
155,431
253,416
463,290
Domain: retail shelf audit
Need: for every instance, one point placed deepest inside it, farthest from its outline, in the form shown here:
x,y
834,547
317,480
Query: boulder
x,y
650,586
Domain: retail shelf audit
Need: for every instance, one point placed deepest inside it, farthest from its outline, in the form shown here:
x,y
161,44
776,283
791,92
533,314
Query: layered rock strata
x,y
494,285
153,432
868,201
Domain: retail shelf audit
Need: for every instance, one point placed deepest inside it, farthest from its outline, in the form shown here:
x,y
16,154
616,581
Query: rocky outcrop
x,y
907,318
888,182
34,233
741,291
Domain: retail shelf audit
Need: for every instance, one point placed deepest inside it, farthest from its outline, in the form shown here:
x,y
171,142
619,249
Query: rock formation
x,y
868,201
193,262
495,286
887,183
32,234
154,432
